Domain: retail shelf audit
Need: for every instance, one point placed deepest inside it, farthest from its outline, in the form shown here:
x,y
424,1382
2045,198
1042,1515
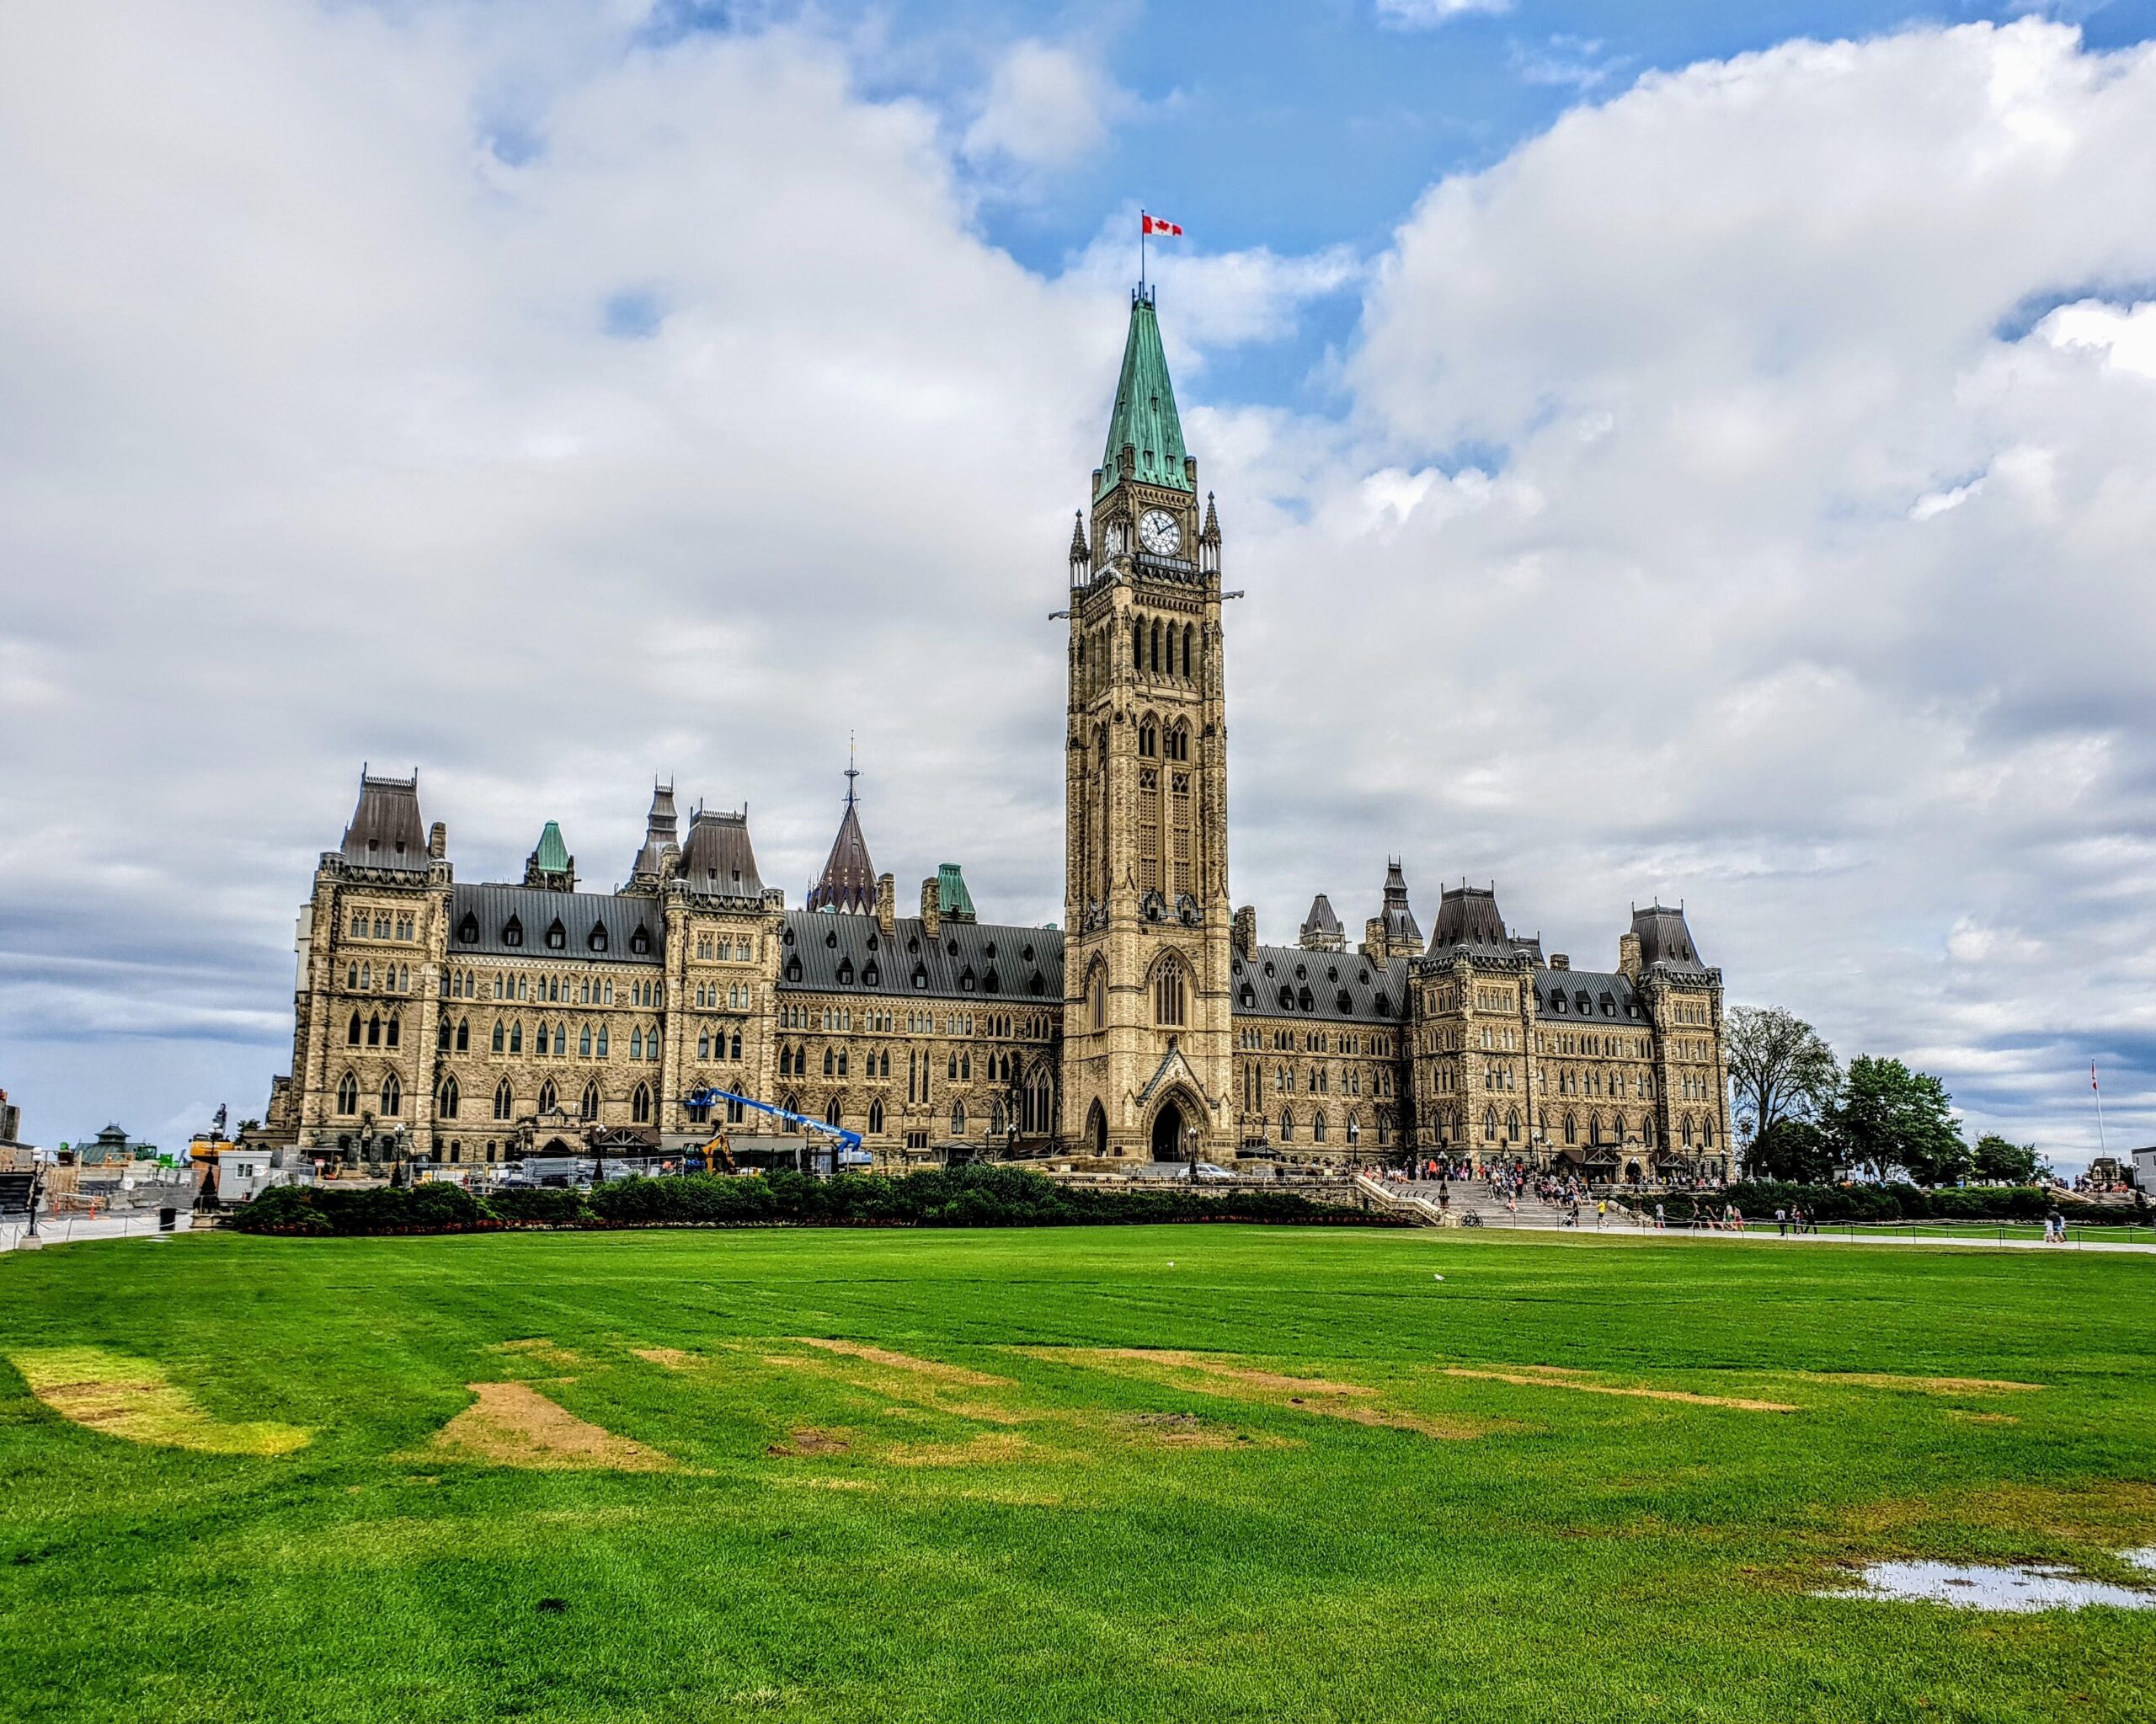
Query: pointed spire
x,y
1079,553
1211,533
550,865
1401,930
1145,423
848,882
1321,931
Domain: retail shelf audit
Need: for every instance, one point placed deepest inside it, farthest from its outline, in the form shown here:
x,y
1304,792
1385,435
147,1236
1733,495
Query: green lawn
x,y
231,1498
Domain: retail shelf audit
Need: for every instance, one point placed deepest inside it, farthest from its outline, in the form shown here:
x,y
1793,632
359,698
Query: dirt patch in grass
x,y
130,1398
512,1424
1982,1418
1265,1388
672,1357
1554,1377
871,1377
1924,1386
807,1439
989,1448
539,1351
1178,1430
934,1370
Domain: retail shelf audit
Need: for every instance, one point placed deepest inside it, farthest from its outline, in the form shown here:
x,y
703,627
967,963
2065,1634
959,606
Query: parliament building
x,y
481,1022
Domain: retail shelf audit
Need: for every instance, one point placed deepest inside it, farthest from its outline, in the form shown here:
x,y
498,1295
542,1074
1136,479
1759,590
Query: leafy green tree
x,y
1891,1118
1997,1161
1794,1150
1779,1067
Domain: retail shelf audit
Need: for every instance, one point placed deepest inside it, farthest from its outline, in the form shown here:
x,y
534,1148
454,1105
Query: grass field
x,y
1195,1473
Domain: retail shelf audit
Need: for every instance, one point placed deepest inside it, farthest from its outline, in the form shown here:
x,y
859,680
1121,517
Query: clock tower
x,y
1148,1048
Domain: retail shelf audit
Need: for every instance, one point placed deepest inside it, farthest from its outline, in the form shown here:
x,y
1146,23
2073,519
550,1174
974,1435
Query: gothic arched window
x,y
548,1098
957,1118
589,1108
392,1096
450,1097
876,1115
640,1105
348,1094
464,1035
1189,638
1171,991
505,1100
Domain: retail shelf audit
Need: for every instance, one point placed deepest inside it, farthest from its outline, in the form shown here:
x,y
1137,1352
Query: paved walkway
x,y
1538,1217
68,1229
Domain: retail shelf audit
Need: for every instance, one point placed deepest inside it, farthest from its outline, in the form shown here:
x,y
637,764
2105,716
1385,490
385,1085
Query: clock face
x,y
1157,532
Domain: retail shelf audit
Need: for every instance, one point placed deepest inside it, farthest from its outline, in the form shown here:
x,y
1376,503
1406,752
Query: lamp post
x,y
1190,1150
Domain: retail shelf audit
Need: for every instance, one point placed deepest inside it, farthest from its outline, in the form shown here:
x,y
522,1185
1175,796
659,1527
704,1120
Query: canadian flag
x,y
1153,224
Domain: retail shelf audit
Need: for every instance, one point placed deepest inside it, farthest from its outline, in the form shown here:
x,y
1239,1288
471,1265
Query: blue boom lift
x,y
846,1145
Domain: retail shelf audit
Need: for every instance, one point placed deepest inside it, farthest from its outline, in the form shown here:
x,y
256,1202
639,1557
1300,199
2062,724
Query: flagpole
x,y
2100,1149
1141,251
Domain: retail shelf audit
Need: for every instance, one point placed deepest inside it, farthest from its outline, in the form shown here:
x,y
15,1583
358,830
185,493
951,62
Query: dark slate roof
x,y
1531,944
828,953
1336,987
387,831
849,878
1588,996
1665,940
1468,920
485,912
718,859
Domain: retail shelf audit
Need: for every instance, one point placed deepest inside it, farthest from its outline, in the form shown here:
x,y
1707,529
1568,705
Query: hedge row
x,y
964,1197
1759,1198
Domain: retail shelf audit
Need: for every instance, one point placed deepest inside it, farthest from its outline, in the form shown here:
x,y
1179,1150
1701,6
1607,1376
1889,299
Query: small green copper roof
x,y
1144,416
952,898
552,856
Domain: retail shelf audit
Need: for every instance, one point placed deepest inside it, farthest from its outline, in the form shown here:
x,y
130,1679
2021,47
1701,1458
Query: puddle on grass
x,y
2019,1588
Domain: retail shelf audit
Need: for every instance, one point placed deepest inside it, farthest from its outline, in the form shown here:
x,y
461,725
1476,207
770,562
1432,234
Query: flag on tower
x,y
1153,224
2093,1084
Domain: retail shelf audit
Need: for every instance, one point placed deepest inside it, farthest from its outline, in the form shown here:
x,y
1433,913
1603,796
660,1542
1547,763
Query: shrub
x,y
551,1204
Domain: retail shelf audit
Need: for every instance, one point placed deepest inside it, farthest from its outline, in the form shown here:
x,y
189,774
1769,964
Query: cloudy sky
x,y
1676,449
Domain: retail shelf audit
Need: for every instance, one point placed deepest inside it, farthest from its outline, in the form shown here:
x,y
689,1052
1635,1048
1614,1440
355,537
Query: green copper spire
x,y
1145,418
552,855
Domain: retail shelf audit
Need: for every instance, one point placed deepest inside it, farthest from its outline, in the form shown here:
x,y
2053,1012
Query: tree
x,y
1779,1067
1794,1150
1998,1162
1891,1118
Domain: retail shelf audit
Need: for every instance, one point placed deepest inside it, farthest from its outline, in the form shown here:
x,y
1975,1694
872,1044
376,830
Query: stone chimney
x,y
886,903
1558,960
1628,955
438,841
1243,933
931,916
1373,947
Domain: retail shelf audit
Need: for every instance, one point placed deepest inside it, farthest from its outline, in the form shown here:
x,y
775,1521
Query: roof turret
x,y
849,878
1321,931
954,903
661,828
1664,938
1400,932
1468,920
387,831
550,865
1144,421
719,860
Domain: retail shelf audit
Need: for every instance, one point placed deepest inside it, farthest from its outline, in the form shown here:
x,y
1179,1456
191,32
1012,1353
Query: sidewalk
x,y
69,1230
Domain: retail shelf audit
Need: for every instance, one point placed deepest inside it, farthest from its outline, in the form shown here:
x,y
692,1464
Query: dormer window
x,y
512,932
468,930
640,940
558,936
597,943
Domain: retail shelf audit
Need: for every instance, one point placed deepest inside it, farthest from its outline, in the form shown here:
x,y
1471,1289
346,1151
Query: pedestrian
x,y
1781,1224
1658,1222
1601,1210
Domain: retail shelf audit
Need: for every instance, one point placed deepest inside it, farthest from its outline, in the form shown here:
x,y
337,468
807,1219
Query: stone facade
x,y
478,1023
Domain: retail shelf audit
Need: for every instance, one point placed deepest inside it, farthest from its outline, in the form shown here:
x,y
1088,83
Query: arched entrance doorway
x,y
1168,1145
1096,1130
